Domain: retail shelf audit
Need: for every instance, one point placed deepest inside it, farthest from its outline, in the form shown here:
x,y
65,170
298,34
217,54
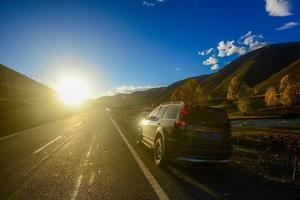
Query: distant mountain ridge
x,y
260,69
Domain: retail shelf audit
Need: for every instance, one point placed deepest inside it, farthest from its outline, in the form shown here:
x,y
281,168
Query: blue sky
x,y
120,45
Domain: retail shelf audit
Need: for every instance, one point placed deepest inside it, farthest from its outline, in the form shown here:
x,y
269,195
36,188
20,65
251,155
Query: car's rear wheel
x,y
159,152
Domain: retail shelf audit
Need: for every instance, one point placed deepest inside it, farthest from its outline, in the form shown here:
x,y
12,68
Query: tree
x,y
284,83
187,90
288,91
289,95
237,88
199,96
239,92
244,105
176,95
270,97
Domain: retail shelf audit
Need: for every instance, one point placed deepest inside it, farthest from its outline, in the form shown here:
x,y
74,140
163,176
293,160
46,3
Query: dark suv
x,y
195,133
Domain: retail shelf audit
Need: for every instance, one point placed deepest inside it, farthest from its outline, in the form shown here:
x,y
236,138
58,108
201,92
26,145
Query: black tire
x,y
159,152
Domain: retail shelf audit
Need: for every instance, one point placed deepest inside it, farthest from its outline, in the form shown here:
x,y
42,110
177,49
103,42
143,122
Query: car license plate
x,y
209,136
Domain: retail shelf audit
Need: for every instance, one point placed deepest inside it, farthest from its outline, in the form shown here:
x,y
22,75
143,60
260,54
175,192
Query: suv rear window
x,y
171,112
202,115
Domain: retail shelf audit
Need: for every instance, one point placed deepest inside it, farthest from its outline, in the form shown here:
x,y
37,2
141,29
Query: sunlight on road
x,y
72,90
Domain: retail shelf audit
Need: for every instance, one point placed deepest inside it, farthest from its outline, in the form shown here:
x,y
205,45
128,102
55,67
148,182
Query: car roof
x,y
173,102
193,105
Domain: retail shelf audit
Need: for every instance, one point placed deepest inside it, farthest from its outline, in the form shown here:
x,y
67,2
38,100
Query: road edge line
x,y
153,182
46,145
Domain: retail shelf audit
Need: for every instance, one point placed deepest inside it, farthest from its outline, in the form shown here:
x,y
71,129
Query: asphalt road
x,y
94,156
81,157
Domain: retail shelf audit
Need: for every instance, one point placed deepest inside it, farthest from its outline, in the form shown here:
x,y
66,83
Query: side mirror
x,y
145,114
153,118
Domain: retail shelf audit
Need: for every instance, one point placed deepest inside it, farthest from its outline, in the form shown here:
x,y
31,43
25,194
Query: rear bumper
x,y
198,160
199,152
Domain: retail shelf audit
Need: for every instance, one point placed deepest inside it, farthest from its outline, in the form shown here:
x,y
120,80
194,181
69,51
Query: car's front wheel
x,y
159,152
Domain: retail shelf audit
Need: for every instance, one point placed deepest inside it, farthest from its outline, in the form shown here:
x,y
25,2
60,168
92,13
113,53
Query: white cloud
x,y
148,4
287,25
246,43
152,3
210,61
278,8
229,48
128,89
206,52
214,67
252,41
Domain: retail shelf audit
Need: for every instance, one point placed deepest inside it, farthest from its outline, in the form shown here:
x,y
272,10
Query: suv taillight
x,y
184,111
181,125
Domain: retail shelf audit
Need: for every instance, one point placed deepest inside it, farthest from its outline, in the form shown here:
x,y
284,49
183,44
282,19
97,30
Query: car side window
x,y
161,112
171,112
154,112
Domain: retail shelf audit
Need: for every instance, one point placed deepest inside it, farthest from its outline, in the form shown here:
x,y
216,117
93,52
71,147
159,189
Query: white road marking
x,y
75,193
193,182
92,178
107,109
46,145
153,182
89,152
85,162
21,132
78,124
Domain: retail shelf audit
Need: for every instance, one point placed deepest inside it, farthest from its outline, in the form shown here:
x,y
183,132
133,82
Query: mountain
x,y
260,69
25,103
15,86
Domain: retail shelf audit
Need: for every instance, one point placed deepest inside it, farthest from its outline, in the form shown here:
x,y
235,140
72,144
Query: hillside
x,y
15,86
25,103
294,74
260,69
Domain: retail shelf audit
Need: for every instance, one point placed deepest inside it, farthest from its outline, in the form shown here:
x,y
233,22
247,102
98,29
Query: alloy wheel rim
x,y
158,152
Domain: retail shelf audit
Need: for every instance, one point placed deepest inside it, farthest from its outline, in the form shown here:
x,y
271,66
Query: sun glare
x,y
72,90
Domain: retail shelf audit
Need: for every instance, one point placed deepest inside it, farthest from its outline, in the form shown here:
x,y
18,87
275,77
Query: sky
x,y
123,46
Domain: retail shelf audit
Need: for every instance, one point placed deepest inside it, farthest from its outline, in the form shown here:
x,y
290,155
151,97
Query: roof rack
x,y
173,102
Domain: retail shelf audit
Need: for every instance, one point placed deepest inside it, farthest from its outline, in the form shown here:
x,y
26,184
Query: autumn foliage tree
x,y
239,92
284,83
289,95
176,95
189,92
288,91
199,96
270,97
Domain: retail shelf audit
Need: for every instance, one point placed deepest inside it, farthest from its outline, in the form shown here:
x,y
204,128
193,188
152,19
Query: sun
x,y
72,90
